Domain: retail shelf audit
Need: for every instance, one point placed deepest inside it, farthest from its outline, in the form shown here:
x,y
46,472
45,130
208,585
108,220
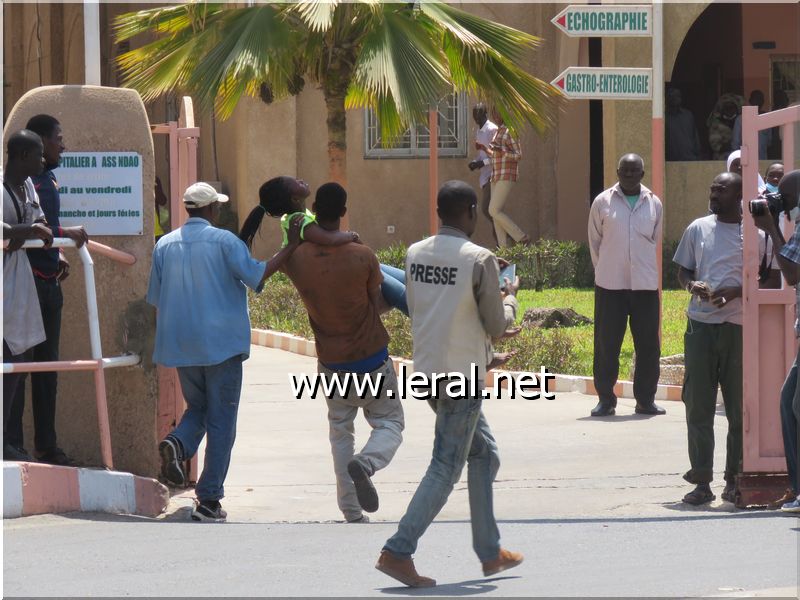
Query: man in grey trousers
x,y
341,289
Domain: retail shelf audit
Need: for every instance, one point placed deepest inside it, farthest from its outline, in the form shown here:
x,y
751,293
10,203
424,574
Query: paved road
x,y
683,555
593,503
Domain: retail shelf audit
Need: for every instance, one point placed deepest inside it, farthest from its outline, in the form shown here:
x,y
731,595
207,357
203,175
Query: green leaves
x,y
390,57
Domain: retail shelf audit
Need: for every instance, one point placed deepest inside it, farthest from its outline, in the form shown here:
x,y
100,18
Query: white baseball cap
x,y
201,194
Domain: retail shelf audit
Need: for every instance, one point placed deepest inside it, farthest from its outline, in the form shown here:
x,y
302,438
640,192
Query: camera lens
x,y
757,207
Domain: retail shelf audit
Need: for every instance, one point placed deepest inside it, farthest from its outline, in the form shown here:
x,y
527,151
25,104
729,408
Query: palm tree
x,y
396,59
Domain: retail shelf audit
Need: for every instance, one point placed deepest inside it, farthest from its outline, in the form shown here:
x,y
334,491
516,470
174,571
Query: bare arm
x,y
317,235
790,269
497,313
279,258
17,234
695,288
378,301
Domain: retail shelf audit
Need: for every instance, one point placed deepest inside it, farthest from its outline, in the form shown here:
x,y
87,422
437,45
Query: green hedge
x,y
549,263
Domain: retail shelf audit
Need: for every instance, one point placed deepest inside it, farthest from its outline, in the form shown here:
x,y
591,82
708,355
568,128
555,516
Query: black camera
x,y
773,204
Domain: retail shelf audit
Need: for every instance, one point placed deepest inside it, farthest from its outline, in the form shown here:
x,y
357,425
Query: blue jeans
x,y
462,435
790,415
212,399
393,288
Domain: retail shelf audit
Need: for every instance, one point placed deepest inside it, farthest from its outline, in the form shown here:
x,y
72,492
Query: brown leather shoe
x,y
402,569
505,560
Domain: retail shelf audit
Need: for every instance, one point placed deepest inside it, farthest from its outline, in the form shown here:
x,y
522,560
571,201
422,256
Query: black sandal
x,y
699,496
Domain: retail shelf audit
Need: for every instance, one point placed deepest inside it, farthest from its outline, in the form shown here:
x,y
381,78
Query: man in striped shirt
x,y
505,153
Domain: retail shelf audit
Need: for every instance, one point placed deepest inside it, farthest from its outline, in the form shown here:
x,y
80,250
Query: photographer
x,y
764,213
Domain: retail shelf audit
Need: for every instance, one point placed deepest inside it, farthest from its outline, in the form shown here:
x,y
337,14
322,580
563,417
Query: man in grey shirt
x,y
710,259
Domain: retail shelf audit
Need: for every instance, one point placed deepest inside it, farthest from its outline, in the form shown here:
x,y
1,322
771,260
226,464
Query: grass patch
x,y
674,303
567,350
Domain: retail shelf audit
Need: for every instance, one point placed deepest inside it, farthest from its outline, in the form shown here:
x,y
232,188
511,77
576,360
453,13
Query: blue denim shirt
x,y
197,283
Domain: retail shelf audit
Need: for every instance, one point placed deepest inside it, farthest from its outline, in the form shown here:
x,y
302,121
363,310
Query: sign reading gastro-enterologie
x,y
601,20
101,191
601,83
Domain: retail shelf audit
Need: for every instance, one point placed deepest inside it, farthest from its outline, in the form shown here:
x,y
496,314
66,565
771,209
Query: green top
x,y
308,218
632,200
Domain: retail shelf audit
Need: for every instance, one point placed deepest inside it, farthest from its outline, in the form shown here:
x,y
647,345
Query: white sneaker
x,y
792,507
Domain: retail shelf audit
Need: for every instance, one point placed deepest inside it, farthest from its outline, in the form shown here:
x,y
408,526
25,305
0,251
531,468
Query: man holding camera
x,y
788,256
710,259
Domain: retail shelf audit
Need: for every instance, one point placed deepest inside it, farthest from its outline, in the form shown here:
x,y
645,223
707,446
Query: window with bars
x,y
415,142
786,76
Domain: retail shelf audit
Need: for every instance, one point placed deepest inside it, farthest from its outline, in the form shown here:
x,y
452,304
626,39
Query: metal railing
x,y
97,364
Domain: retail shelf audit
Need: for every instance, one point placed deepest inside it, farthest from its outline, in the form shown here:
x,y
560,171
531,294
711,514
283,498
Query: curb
x,y
34,489
563,383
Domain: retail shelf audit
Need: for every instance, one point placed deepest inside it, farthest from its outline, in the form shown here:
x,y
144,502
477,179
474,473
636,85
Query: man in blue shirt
x,y
50,267
198,284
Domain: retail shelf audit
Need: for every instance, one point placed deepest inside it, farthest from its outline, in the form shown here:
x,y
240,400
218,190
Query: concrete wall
x,y
105,119
779,23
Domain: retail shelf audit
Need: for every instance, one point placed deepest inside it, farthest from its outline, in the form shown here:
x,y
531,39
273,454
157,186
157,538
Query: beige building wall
x,y
127,324
289,137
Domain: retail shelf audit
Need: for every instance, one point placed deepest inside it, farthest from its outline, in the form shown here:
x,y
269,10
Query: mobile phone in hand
x,y
511,272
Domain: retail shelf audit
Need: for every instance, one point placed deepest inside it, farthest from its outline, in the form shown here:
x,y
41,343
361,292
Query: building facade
x,y
710,49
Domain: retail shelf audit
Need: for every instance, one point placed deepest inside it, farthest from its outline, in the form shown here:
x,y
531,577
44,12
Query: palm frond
x,y
390,57
253,46
400,60
164,20
317,14
477,35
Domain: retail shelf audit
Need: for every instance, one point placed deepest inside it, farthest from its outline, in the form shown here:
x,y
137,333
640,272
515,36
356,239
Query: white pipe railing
x,y
98,364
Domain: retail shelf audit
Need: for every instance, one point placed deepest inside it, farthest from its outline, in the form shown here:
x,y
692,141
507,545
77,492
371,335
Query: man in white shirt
x,y
23,219
483,139
624,229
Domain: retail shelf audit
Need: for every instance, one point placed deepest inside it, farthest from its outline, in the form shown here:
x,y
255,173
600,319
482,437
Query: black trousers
x,y
11,383
612,311
44,386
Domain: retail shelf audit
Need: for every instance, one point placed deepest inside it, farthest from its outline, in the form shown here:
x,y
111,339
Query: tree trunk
x,y
337,142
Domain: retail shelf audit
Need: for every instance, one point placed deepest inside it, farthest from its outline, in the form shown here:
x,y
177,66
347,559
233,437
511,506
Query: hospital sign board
x,y
605,21
604,83
101,191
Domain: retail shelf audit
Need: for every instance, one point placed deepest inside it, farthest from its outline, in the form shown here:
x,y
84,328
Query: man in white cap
x,y
198,284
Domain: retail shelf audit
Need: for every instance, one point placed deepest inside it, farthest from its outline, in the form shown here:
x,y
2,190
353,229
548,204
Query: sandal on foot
x,y
699,496
729,493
